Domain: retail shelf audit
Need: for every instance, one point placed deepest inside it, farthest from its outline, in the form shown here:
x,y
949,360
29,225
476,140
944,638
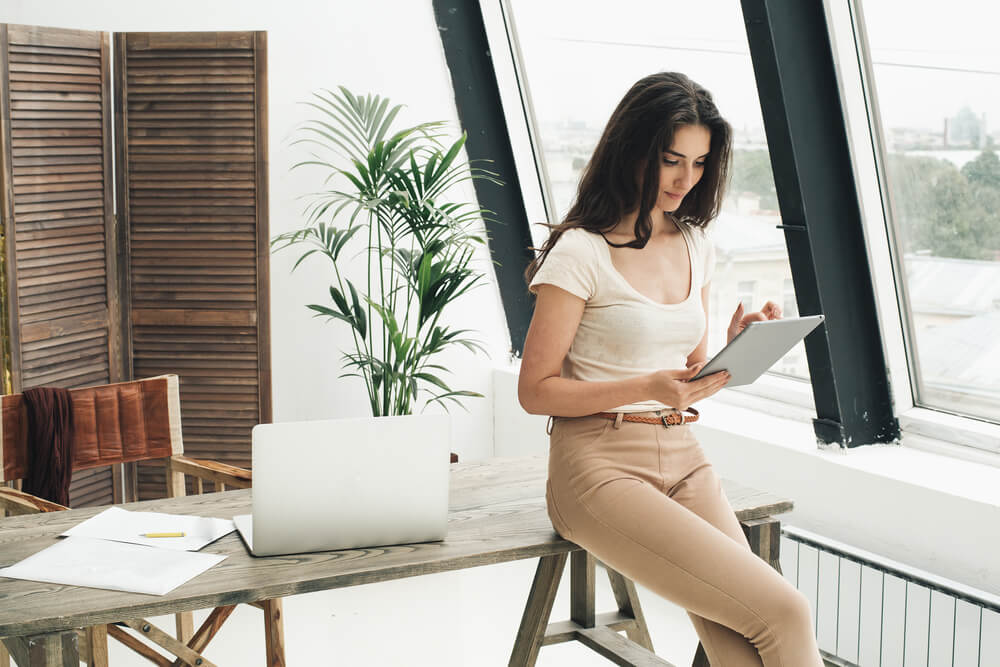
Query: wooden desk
x,y
496,514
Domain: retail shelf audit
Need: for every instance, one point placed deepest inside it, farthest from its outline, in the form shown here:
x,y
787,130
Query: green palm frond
x,y
394,183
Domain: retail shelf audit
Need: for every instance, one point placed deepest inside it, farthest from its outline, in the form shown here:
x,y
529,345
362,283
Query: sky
x,y
581,56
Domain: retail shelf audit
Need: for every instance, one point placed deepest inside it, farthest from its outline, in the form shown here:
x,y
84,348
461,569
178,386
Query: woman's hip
x,y
585,452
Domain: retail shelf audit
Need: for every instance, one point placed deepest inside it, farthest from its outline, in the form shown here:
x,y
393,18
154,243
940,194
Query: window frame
x,y
937,430
942,429
515,95
865,141
783,391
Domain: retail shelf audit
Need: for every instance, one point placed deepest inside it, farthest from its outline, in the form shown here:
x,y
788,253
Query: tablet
x,y
758,347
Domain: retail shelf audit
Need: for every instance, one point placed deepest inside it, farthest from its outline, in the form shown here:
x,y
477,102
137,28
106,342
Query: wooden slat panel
x,y
192,44
77,42
192,117
51,50
90,487
58,215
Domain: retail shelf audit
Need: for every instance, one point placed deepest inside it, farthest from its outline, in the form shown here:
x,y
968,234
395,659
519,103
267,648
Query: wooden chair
x,y
123,423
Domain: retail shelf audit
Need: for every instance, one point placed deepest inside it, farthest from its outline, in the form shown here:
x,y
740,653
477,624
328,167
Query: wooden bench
x,y
496,514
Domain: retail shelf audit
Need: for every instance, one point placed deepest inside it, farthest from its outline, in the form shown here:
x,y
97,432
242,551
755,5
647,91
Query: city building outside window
x,y
745,293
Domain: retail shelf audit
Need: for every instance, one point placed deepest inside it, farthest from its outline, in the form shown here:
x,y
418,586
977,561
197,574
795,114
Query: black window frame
x,y
793,64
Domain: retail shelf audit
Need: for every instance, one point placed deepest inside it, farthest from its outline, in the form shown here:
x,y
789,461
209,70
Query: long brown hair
x,y
640,129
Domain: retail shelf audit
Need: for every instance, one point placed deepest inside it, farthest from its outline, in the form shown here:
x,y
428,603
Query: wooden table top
x,y
496,514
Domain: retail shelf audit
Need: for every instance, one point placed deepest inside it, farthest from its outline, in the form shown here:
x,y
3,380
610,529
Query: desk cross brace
x,y
60,649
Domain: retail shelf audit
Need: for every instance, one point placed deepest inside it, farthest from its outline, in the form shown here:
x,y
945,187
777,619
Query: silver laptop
x,y
347,483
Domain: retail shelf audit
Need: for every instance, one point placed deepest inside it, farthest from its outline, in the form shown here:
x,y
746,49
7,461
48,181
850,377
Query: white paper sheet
x,y
81,561
121,525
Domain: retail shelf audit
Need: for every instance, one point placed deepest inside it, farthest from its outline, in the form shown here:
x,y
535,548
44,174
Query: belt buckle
x,y
663,418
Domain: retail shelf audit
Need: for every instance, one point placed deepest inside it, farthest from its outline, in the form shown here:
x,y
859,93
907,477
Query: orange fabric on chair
x,y
115,423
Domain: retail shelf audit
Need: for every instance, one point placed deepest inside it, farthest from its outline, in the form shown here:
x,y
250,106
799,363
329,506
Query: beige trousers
x,y
644,500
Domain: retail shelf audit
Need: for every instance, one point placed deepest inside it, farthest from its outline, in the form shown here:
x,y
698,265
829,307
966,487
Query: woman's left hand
x,y
770,311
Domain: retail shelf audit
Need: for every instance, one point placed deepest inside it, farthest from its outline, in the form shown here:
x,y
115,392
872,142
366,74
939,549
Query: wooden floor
x,y
453,619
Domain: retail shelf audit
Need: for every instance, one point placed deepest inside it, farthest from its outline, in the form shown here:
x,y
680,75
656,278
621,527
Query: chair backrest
x,y
113,423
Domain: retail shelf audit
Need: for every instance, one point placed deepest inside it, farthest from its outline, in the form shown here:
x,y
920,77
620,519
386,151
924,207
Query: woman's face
x,y
682,166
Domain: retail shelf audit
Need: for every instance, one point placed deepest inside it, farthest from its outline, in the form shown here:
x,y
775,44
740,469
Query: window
x,y
577,64
788,306
936,110
745,292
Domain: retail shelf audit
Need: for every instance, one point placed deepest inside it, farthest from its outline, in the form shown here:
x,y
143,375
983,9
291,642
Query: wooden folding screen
x,y
55,134
180,283
191,117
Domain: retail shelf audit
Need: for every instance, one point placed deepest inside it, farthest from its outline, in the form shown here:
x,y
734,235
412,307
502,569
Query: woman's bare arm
x,y
540,390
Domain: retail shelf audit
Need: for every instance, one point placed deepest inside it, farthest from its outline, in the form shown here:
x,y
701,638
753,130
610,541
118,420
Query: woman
x,y
619,330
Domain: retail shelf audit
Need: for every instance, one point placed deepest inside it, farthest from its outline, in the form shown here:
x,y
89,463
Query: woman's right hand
x,y
673,388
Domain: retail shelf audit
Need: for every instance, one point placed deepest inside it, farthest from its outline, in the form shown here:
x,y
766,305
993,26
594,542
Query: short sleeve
x,y
571,264
708,258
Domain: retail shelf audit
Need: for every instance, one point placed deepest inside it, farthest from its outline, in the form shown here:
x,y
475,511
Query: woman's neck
x,y
663,225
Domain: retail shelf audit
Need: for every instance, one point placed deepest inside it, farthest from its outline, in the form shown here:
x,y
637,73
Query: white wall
x,y
390,48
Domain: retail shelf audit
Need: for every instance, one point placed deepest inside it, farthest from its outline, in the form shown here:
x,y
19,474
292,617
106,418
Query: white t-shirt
x,y
623,333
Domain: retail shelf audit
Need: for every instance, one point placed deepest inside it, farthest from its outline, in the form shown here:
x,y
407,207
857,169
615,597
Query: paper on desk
x,y
82,561
121,525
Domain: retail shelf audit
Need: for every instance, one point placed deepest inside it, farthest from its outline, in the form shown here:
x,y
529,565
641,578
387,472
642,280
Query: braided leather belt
x,y
672,419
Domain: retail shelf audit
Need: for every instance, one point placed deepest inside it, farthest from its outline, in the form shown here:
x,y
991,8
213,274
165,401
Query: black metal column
x,y
793,65
477,95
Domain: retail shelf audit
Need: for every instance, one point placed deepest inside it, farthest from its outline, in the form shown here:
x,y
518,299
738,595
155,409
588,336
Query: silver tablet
x,y
758,347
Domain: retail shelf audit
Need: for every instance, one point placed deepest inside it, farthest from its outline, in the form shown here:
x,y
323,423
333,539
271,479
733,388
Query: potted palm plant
x,y
389,195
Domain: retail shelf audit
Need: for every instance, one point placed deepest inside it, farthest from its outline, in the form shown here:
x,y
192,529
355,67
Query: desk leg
x,y
700,657
628,605
764,536
56,649
582,586
536,613
274,632
97,646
